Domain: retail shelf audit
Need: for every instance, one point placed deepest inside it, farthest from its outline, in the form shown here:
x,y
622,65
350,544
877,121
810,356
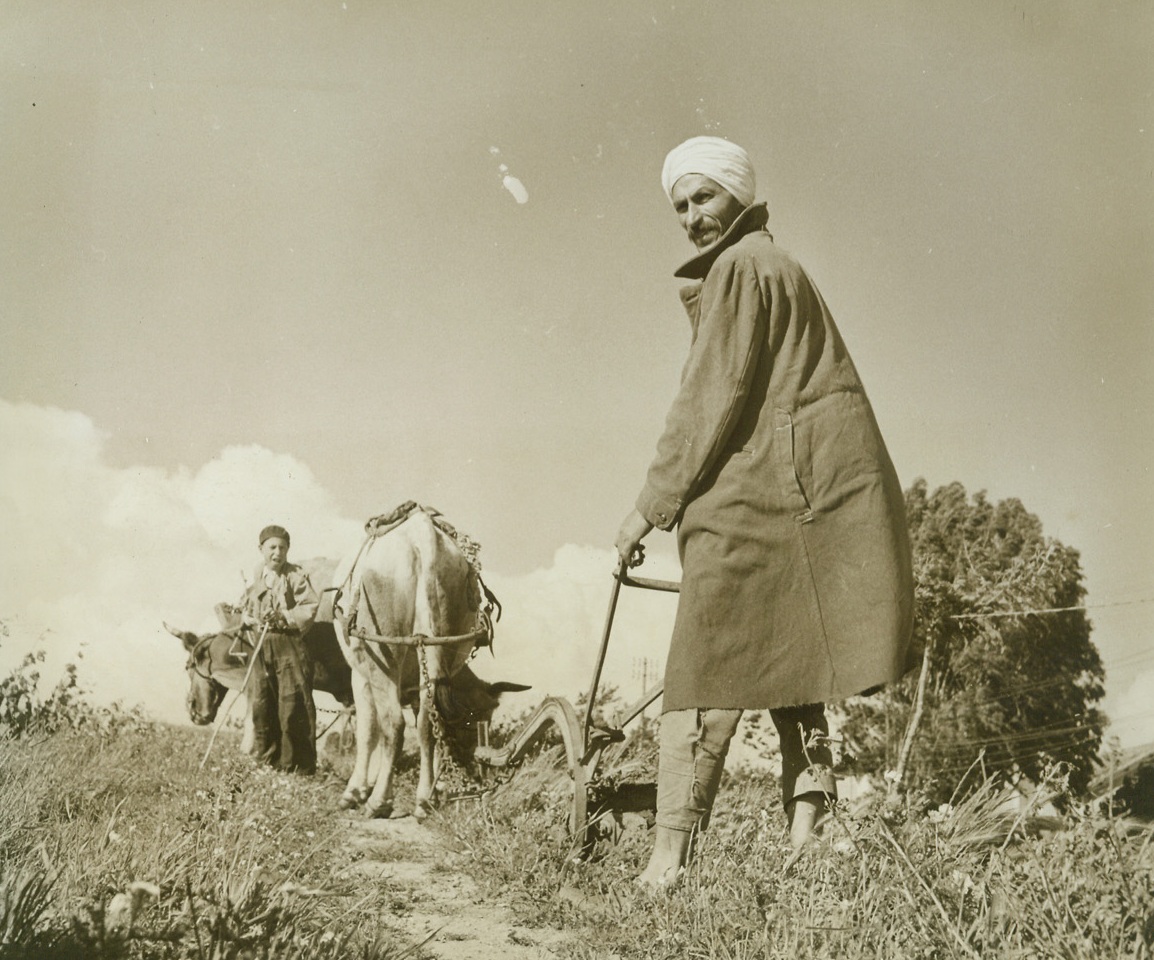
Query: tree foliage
x,y
1012,677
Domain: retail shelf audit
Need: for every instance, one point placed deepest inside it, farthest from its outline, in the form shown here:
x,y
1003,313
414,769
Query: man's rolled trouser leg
x,y
806,760
694,744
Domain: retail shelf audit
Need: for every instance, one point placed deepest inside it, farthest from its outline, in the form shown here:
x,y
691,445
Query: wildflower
x,y
942,814
963,880
123,908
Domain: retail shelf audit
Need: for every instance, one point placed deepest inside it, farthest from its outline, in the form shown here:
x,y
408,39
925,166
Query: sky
x,y
299,262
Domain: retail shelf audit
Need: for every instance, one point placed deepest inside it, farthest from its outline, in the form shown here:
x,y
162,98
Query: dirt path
x,y
431,896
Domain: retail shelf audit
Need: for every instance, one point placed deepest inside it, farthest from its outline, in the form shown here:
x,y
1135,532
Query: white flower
x,y
122,909
942,814
962,879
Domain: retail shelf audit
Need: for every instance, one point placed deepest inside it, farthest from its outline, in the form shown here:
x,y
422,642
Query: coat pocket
x,y
796,500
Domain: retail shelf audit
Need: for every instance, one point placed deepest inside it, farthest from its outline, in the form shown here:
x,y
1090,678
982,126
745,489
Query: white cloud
x,y
1133,716
245,488
551,631
95,558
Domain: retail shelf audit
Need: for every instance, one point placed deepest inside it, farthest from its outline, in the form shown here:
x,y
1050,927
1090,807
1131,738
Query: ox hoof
x,y
422,809
353,798
383,812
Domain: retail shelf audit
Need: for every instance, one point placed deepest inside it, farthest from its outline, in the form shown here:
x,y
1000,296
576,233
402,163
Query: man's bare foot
x,y
670,854
806,809
665,882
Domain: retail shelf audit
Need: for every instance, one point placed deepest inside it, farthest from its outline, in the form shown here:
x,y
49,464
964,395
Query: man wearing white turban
x,y
723,162
797,586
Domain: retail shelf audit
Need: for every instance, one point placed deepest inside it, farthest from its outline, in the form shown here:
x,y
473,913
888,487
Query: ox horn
x,y
507,686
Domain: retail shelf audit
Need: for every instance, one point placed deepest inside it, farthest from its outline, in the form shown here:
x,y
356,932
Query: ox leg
x,y
357,789
386,698
429,761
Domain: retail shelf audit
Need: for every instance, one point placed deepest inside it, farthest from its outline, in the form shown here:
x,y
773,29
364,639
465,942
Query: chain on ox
x,y
411,592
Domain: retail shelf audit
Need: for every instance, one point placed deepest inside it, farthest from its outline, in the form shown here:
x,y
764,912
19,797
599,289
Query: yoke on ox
x,y
411,609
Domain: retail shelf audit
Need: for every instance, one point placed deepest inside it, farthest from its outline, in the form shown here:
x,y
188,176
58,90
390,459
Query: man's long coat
x,y
796,570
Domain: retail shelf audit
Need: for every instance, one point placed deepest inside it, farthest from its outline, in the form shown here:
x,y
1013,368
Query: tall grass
x,y
113,843
903,880
119,846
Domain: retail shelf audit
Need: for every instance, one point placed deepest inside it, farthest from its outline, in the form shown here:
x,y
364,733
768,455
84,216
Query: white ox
x,y
411,581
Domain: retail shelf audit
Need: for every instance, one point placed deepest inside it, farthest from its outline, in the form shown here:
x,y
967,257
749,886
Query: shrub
x,y
23,711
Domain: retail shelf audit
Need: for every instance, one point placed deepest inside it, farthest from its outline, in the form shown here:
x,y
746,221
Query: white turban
x,y
723,162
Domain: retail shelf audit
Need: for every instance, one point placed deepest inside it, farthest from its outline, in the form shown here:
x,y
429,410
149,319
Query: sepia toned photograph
x,y
585,481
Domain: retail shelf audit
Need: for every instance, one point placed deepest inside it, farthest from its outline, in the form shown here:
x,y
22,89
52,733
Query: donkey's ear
x,y
187,637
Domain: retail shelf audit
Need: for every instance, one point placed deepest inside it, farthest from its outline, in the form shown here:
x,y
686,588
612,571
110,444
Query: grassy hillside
x,y
889,880
113,843
116,844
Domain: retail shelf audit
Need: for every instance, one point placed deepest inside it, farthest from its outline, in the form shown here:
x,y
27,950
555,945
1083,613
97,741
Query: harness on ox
x,y
487,615
480,636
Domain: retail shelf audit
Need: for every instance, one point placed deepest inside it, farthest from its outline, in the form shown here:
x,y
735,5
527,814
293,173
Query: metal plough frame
x,y
584,740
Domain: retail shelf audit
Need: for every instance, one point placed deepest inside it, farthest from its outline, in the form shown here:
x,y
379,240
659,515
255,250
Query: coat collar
x,y
754,217
263,580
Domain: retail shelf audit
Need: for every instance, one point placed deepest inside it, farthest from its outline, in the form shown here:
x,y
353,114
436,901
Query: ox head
x,y
204,693
464,701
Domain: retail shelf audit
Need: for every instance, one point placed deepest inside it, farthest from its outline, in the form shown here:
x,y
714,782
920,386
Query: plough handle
x,y
669,586
621,577
618,578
